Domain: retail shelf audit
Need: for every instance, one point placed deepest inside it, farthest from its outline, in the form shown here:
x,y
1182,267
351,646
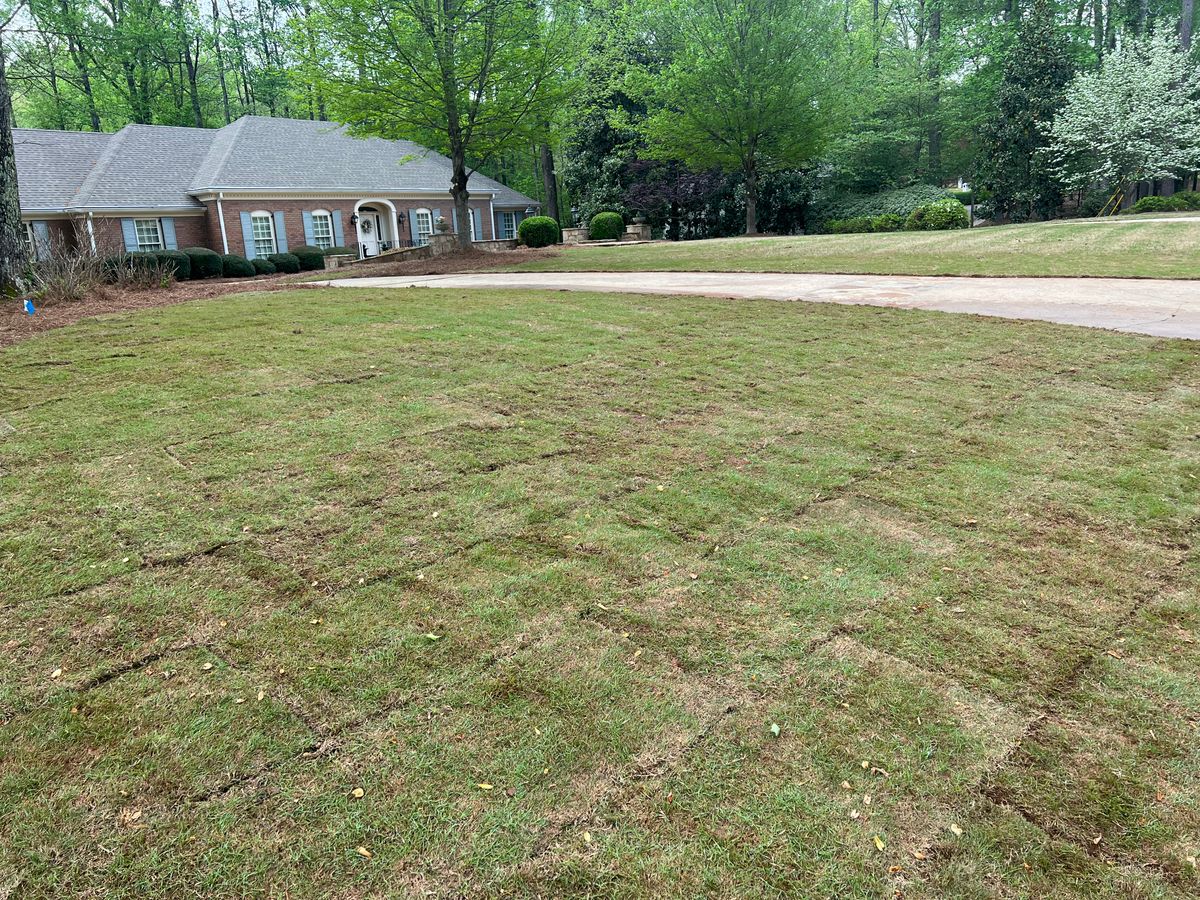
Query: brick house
x,y
255,187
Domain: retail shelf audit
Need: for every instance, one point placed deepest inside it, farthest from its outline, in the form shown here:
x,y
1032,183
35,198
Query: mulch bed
x,y
463,261
16,326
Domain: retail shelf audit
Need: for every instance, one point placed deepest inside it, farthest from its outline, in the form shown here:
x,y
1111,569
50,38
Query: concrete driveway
x,y
1159,307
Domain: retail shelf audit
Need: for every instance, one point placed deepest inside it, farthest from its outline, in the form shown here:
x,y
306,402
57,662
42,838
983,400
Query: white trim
x,y
29,239
492,217
392,225
91,232
221,219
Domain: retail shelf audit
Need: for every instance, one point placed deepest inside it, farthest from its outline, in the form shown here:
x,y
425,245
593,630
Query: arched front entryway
x,y
375,226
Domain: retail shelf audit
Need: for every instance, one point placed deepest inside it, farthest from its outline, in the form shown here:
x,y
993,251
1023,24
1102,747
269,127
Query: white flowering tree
x,y
1136,117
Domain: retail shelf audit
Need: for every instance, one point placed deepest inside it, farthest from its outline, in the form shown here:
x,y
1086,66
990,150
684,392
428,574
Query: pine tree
x,y
1032,91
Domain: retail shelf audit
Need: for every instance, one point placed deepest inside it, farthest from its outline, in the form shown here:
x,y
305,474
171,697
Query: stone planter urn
x,y
441,225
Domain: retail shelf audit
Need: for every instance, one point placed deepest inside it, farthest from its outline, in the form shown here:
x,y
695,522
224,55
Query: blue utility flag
x,y
29,308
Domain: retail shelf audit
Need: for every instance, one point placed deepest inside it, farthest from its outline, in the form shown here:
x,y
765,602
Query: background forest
x,y
679,110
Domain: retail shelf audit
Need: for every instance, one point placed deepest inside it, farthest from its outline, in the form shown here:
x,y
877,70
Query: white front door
x,y
368,232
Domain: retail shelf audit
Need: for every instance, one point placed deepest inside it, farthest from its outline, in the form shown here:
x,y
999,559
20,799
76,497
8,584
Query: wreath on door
x,y
366,226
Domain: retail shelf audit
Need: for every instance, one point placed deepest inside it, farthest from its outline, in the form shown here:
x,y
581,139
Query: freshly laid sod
x,y
1128,248
423,593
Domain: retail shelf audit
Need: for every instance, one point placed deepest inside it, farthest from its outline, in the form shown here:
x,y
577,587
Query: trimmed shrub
x,y
175,262
606,226
941,215
865,224
285,262
205,263
899,202
341,251
1188,200
311,258
1181,202
122,263
234,266
264,266
966,198
538,231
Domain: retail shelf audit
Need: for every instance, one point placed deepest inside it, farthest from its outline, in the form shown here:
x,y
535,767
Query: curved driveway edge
x,y
1164,308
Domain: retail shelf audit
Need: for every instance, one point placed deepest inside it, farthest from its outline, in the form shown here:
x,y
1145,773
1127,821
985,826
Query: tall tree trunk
x,y
12,243
1185,24
550,182
216,15
1098,28
751,169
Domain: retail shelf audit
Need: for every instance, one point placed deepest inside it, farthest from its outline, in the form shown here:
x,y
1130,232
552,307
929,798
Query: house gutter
x,y
221,219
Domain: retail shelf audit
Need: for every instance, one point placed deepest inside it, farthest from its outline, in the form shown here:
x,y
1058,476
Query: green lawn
x,y
596,596
1126,248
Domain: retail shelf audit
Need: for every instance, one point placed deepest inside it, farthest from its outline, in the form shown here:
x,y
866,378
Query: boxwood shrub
x,y
538,231
941,215
205,263
311,258
606,226
234,266
341,251
264,266
285,262
175,261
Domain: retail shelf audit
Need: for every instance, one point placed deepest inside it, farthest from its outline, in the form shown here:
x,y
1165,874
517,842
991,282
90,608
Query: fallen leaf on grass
x,y
957,831
433,637
57,673
918,854
775,729
357,793
879,844
207,666
363,852
484,786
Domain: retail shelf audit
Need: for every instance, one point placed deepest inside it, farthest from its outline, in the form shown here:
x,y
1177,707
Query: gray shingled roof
x,y
257,152
53,165
147,166
153,166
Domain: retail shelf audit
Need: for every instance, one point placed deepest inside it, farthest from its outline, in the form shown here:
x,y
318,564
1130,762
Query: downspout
x,y
221,219
492,214
91,230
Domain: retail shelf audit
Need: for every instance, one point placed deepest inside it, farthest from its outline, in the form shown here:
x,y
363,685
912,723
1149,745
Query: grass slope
x,y
542,575
1117,249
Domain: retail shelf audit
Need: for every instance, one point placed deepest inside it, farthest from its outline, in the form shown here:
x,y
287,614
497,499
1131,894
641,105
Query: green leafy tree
x,y
467,77
1036,75
745,87
1136,117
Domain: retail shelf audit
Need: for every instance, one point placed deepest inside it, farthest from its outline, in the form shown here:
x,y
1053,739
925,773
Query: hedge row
x,y
899,202
941,215
1184,201
199,262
